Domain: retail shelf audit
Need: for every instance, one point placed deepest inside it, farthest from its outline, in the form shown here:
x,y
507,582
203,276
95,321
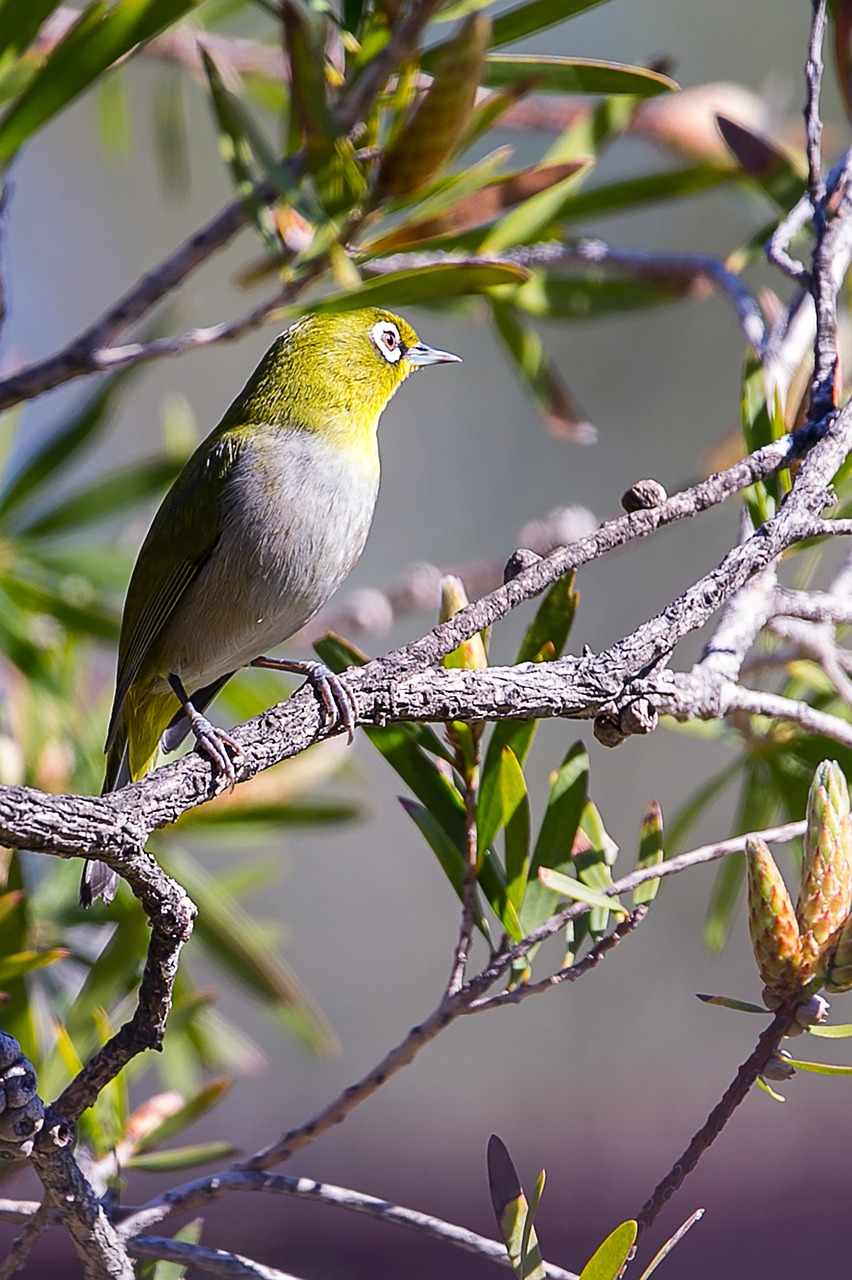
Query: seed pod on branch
x,y
772,923
825,897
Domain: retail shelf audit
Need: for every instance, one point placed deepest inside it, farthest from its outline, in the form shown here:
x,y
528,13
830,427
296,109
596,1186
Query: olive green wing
x,y
182,537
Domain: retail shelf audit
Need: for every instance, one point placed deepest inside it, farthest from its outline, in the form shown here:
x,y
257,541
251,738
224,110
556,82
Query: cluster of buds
x,y
811,945
21,1109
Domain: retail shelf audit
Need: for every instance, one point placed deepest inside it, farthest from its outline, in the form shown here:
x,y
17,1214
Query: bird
x,y
259,529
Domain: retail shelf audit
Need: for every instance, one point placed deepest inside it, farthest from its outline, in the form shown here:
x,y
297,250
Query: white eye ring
x,y
386,337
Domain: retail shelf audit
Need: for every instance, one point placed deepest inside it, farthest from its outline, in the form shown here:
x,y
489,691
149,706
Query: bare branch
x,y
216,1262
195,1195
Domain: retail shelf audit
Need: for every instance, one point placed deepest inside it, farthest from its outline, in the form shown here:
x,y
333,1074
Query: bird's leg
x,y
337,698
218,745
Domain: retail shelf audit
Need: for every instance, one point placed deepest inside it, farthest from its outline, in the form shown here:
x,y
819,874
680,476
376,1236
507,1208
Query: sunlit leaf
x,y
569,887
512,1213
179,1158
444,280
609,1258
650,852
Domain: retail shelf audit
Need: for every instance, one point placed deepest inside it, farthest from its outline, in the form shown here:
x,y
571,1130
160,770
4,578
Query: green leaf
x,y
553,848
501,792
739,1006
574,75
162,1270
841,1031
608,1260
630,194
819,1068
767,1088
582,298
549,393
209,1096
98,39
650,852
63,445
536,16
108,496
20,21
570,887
512,1213
21,962
236,152
426,284
761,424
181,1157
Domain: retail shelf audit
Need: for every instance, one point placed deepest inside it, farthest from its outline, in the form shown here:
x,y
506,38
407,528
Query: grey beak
x,y
421,354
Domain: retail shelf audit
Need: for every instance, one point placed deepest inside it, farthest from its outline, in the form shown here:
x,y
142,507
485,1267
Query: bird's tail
x,y
130,754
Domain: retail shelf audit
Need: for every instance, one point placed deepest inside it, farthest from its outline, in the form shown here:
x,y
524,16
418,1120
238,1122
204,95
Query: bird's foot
x,y
218,746
334,693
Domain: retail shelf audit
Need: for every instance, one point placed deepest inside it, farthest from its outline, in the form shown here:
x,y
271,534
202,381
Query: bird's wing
x,y
179,543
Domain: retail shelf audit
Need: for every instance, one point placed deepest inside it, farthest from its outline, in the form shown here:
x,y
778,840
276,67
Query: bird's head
x,y
335,373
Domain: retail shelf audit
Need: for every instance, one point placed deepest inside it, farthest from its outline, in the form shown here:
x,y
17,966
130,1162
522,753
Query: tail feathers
x,y
144,718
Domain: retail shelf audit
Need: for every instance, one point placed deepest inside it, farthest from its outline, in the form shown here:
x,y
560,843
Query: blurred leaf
x,y
476,208
162,1270
432,135
229,937
105,497
50,458
209,1096
581,298
610,1258
650,852
171,130
555,402
841,1031
763,160
512,1213
97,39
692,809
574,75
840,14
236,152
20,21
304,36
756,811
113,113
35,595
535,16
630,194
21,962
444,280
178,1158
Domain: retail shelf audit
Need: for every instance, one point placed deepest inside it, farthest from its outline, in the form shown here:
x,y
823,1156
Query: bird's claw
x,y
337,698
218,746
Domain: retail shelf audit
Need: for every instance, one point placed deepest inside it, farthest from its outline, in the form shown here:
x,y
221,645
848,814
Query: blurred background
x,y
601,1083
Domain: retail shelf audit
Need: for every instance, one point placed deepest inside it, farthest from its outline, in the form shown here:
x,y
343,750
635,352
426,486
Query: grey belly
x,y
288,541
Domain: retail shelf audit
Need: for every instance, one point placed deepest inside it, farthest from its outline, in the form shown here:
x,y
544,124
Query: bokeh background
x,y
601,1083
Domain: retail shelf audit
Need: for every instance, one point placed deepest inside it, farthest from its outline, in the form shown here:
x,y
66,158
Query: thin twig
x,y
216,1262
21,1246
734,1095
204,1191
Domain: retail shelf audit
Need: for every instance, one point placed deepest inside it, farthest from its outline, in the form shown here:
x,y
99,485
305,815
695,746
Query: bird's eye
x,y
387,339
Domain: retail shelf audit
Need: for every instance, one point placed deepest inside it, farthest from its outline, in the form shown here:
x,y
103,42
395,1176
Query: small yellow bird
x,y
258,530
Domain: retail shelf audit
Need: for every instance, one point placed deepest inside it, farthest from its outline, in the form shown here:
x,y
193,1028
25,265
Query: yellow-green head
x,y
333,373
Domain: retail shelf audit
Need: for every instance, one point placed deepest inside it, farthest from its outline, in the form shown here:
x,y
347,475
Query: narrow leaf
x,y
608,1260
574,75
444,280
512,1211
650,852
569,887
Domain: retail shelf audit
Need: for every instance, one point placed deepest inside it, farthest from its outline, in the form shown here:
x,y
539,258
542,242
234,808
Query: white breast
x,y
297,516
